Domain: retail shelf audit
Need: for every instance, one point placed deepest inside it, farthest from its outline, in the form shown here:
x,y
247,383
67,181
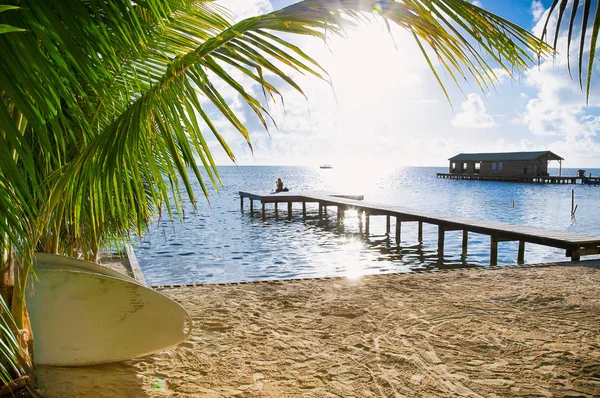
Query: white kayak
x,y
83,318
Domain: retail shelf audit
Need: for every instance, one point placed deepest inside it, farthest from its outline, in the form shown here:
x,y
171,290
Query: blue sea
x,y
216,242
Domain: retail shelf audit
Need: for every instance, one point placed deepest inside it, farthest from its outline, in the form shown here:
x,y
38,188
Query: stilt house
x,y
504,164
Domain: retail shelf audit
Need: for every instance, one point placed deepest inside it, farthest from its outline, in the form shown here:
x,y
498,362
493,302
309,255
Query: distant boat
x,y
326,166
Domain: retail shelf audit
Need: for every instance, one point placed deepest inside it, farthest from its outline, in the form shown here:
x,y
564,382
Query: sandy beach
x,y
510,331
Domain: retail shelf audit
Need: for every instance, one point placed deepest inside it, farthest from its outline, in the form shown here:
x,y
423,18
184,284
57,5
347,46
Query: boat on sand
x,y
84,314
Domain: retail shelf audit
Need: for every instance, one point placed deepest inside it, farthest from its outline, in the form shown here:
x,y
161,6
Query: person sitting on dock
x,y
280,187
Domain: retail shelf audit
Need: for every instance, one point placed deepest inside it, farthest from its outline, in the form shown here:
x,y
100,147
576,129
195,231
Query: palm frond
x,y
12,362
579,22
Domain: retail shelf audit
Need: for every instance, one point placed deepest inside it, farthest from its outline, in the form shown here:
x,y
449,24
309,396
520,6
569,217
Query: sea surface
x,y
216,242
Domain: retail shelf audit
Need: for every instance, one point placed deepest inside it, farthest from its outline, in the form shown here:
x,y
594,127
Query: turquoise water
x,y
217,242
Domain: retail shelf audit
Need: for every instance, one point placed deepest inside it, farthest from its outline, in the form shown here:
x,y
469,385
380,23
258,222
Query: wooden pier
x,y
575,245
538,180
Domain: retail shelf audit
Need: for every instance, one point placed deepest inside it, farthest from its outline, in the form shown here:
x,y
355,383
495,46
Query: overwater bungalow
x,y
504,164
512,166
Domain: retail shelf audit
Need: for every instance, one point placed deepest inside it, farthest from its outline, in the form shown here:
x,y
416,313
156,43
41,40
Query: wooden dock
x,y
538,180
575,245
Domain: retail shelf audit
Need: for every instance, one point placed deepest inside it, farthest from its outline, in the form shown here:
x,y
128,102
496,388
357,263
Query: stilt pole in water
x,y
441,236
493,250
387,225
521,253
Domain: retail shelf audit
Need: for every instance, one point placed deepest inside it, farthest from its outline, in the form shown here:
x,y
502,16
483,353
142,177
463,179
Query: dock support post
x,y
420,233
263,211
320,210
276,209
398,230
290,210
575,254
465,242
521,253
241,203
251,206
493,251
441,236
303,209
387,225
367,219
340,213
360,221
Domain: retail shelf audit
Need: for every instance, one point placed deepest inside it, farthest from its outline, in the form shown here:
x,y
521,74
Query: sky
x,y
385,107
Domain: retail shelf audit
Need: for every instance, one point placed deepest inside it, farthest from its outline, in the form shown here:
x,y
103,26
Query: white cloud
x,y
537,10
477,3
558,109
474,114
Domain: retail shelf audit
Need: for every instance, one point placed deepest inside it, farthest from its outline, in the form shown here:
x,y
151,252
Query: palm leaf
x,y
579,23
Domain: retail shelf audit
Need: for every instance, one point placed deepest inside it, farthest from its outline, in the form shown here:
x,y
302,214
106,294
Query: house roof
x,y
482,157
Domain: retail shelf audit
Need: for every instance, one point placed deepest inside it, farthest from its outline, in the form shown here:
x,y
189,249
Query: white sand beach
x,y
509,331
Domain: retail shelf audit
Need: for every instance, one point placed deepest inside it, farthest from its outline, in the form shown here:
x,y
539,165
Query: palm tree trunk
x,y
21,316
6,271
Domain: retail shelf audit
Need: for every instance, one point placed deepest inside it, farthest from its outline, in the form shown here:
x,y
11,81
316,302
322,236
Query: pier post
x,y
420,233
465,242
276,209
251,206
441,236
263,211
367,222
387,225
290,210
575,254
521,253
340,213
493,250
320,210
398,230
303,209
241,203
360,222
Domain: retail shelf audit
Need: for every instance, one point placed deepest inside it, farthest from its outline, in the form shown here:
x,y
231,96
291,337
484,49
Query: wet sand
x,y
510,331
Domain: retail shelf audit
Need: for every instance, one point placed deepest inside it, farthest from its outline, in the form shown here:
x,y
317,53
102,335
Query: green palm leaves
x,y
7,28
11,353
579,16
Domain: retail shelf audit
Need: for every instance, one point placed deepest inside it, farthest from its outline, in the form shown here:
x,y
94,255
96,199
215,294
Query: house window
x,y
494,166
477,167
464,166
453,166
499,165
